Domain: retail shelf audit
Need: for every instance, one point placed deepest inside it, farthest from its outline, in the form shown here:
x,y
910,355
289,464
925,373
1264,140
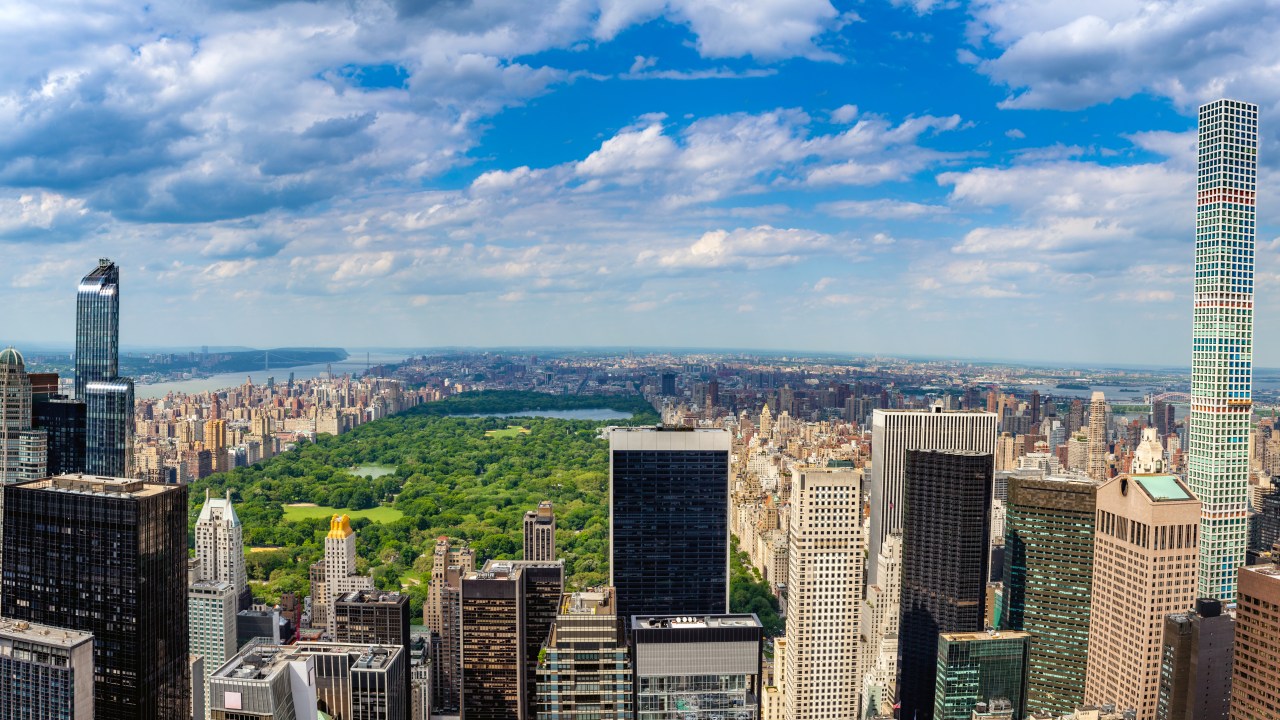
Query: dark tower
x,y
107,556
945,562
98,326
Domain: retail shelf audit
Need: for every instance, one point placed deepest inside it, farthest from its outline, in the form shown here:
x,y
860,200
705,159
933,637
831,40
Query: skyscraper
x,y
23,451
824,594
47,671
63,421
945,563
1195,663
211,617
1098,437
107,556
1048,583
442,613
669,520
220,546
1222,339
376,617
587,673
335,574
1255,674
98,326
696,667
979,667
1144,569
540,533
109,428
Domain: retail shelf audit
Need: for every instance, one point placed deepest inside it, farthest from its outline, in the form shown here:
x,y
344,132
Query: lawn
x,y
301,511
373,471
510,432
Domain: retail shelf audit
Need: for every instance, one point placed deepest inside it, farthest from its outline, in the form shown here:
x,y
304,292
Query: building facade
x,y
981,668
1195,664
106,556
584,669
1222,339
335,575
376,617
700,667
97,326
442,613
1255,672
23,449
220,546
109,428
945,563
669,520
1144,568
1048,583
211,611
47,671
824,594
540,533
1098,437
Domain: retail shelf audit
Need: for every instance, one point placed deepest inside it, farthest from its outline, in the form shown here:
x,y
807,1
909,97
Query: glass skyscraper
x,y
1222,342
98,326
987,667
109,428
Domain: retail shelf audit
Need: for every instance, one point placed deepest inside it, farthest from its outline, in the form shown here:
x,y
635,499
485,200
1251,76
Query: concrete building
x,y
1255,674
696,666
293,682
335,575
824,594
1048,583
375,617
47,671
669,520
1098,437
1222,339
23,450
987,668
442,613
1144,568
220,546
1195,664
540,533
584,669
211,611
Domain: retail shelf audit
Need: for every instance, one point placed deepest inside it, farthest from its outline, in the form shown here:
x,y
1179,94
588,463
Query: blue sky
x,y
983,179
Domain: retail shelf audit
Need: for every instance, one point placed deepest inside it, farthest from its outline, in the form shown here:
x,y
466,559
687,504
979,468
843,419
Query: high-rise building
x,y
540,533
420,676
1255,673
211,612
106,556
63,420
98,326
1144,568
691,666
375,617
508,609
335,574
220,546
23,450
1222,339
1098,437
47,671
109,428
669,384
945,563
981,667
1195,663
1048,583
442,613
585,673
824,594
276,682
669,520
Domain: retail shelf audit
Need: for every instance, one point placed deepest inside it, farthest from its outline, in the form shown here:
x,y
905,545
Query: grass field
x,y
380,514
509,432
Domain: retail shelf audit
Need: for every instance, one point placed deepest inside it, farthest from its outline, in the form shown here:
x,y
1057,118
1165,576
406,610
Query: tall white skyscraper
x,y
211,618
1222,339
824,595
1098,436
335,575
220,546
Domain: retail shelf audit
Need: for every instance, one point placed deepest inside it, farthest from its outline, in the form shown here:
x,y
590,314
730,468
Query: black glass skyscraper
x,y
106,556
98,326
669,521
63,420
945,563
109,428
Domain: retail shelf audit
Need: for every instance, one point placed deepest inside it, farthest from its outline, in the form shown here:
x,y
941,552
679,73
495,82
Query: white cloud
x,y
753,248
767,29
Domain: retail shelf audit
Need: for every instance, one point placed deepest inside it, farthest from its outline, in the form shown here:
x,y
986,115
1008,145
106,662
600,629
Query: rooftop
x,y
98,485
260,660
588,602
43,634
676,622
1162,487
984,635
374,596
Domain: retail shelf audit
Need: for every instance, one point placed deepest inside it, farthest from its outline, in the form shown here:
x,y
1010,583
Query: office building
x,y
211,611
585,670
988,668
1195,664
1098,465
1144,568
1255,674
335,575
220,546
945,563
47,671
63,421
375,617
696,666
23,450
106,556
442,613
199,688
1048,583
268,624
540,533
109,428
98,326
1222,339
669,384
824,594
420,676
346,681
669,520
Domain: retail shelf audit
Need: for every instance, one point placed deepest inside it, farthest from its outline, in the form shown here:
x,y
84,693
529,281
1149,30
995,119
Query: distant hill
x,y
278,357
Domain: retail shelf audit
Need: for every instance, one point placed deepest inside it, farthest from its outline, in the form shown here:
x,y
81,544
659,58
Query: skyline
x,y
1000,179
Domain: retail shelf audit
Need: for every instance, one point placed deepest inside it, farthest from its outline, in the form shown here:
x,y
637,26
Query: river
x,y
353,364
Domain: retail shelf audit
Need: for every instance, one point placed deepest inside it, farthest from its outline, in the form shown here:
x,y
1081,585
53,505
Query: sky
x,y
996,178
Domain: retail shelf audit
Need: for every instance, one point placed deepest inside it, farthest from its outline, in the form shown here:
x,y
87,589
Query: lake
x,y
590,414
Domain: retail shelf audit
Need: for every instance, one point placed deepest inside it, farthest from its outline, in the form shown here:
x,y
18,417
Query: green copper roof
x,y
11,357
1162,487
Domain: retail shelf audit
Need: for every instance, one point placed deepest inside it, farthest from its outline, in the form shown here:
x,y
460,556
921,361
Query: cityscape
x,y
404,361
